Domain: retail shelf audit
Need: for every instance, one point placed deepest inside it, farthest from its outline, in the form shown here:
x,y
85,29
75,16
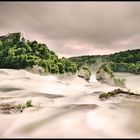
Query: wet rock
x,y
85,73
105,95
8,108
8,89
105,75
81,106
5,106
12,107
36,69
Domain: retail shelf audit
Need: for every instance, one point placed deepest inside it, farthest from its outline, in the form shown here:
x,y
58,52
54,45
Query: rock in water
x,y
116,92
8,108
105,75
36,69
85,73
12,107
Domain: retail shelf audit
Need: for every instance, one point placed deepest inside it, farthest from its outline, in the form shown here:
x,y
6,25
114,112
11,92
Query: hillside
x,y
18,53
124,61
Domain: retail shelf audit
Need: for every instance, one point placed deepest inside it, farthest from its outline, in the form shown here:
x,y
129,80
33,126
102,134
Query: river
x,y
67,107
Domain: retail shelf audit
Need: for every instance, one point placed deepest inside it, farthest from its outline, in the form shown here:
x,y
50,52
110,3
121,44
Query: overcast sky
x,y
75,28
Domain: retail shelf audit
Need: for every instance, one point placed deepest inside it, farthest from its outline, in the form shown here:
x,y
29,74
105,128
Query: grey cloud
x,y
97,24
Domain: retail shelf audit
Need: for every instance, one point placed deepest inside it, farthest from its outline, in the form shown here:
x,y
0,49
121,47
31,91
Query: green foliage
x,y
105,69
125,61
1,44
21,107
29,103
125,67
104,95
22,54
61,68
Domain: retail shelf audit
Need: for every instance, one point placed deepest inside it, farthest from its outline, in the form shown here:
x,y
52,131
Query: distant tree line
x,y
124,61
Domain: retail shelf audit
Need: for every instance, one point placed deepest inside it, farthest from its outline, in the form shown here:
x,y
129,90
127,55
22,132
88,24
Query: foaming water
x,y
67,106
132,81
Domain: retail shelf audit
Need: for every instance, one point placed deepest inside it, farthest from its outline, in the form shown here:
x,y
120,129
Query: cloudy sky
x,y
75,28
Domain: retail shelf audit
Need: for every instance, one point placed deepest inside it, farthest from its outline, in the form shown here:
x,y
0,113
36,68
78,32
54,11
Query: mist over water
x,y
67,106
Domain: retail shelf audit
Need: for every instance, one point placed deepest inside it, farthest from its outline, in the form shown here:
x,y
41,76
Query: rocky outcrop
x,y
105,75
12,37
7,108
36,69
115,92
85,73
12,107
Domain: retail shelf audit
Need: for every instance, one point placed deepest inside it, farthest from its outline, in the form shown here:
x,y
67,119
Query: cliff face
x,y
84,73
11,37
105,75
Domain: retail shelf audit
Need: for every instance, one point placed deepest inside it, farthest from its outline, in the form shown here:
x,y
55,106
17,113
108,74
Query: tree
x,y
1,44
20,54
61,68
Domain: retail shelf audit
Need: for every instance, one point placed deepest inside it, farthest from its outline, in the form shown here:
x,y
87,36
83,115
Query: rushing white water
x,y
67,107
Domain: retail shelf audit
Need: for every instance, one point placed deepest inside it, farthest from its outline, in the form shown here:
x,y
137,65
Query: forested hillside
x,y
18,53
124,61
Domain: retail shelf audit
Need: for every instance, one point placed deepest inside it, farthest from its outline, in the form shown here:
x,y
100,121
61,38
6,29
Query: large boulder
x,y
85,73
105,75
